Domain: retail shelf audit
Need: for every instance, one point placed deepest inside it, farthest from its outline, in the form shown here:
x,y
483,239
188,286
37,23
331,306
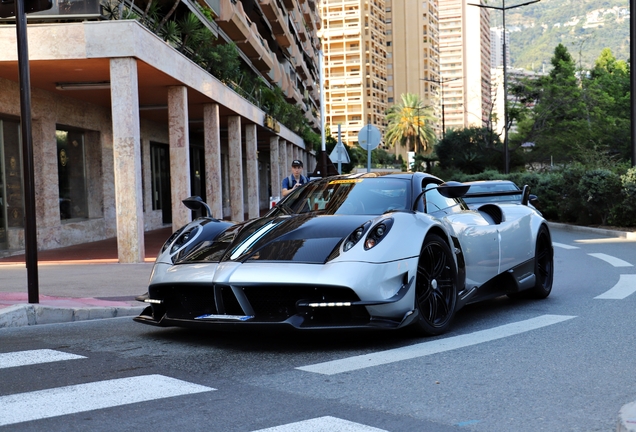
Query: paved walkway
x,y
77,282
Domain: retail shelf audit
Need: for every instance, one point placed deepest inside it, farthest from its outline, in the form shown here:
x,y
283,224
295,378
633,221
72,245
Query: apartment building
x,y
353,39
413,53
464,35
497,44
126,124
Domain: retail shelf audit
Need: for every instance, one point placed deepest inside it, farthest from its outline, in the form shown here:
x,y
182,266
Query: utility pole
x,y
632,64
20,8
503,9
441,84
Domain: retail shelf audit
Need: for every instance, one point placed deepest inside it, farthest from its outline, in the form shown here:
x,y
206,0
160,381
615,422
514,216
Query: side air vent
x,y
494,212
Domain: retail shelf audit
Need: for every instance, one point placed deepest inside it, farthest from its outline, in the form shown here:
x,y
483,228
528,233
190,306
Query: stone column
x,y
127,160
235,156
274,164
290,157
212,148
285,169
251,159
47,193
179,155
147,173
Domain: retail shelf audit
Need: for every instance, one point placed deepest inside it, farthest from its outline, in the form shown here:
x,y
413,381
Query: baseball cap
x,y
296,162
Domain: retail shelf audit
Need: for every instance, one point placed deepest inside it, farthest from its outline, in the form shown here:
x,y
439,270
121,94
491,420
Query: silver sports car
x,y
359,251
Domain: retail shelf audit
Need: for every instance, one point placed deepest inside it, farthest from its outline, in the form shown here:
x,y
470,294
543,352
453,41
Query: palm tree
x,y
409,125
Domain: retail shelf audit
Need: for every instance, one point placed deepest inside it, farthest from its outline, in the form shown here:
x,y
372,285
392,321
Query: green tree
x,y
584,118
410,125
559,122
470,150
609,84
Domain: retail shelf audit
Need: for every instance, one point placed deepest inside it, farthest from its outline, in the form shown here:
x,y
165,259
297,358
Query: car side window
x,y
435,201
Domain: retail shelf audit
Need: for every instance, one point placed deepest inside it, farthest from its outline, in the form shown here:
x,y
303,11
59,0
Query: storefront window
x,y
71,171
160,173
11,201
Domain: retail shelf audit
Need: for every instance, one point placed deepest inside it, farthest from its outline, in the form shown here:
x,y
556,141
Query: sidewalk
x,y
76,283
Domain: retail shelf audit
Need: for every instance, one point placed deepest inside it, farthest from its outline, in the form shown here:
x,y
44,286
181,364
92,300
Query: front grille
x,y
184,301
271,303
278,303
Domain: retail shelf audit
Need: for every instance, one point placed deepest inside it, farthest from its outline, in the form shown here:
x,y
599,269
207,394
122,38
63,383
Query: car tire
x,y
543,265
435,287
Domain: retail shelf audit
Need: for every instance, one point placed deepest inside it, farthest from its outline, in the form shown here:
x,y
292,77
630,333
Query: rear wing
x,y
524,194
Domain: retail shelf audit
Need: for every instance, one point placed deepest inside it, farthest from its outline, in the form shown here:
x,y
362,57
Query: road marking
x,y
616,262
26,358
74,399
433,347
564,246
323,424
626,286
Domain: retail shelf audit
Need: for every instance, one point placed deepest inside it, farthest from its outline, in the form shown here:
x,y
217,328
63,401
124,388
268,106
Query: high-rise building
x,y
497,48
413,54
355,65
464,34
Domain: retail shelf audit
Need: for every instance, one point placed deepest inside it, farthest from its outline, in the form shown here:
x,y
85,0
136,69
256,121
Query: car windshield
x,y
492,188
368,196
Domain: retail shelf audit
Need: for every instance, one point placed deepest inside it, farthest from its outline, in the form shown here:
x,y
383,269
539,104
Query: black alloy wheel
x,y
543,265
436,287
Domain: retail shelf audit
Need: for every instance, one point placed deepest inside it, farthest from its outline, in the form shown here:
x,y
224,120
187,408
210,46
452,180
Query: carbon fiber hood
x,y
307,238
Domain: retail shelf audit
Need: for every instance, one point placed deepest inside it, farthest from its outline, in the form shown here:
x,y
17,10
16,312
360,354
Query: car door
x,y
478,238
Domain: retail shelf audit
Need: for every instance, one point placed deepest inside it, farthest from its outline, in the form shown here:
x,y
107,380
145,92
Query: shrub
x,y
598,189
625,213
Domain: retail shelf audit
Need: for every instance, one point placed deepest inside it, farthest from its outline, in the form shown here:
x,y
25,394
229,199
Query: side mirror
x,y
196,203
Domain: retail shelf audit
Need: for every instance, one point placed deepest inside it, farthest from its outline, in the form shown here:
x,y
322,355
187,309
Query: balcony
x,y
235,23
73,8
278,21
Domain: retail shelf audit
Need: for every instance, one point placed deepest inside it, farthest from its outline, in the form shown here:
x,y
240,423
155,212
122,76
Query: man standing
x,y
295,179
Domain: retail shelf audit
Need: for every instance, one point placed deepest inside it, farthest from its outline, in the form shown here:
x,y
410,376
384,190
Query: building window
x,y
11,202
160,175
71,174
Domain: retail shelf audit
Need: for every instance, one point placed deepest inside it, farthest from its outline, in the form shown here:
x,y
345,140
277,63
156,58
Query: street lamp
x,y
503,9
441,83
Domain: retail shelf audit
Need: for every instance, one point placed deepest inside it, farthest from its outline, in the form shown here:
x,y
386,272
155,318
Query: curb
x,y
629,235
32,314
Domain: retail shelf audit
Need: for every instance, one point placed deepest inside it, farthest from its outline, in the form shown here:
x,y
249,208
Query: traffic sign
x,y
339,154
369,137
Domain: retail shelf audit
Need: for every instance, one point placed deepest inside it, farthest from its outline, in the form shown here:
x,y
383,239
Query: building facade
x,y
413,51
497,44
355,65
125,126
464,34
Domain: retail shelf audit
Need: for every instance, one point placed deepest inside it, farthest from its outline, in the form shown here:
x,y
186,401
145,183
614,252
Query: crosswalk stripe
x,y
323,424
625,287
433,347
73,399
31,357
616,262
564,246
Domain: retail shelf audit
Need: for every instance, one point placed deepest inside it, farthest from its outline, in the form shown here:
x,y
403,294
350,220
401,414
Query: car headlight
x,y
184,238
377,233
355,237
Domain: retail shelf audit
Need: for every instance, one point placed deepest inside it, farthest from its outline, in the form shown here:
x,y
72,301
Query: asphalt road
x,y
562,364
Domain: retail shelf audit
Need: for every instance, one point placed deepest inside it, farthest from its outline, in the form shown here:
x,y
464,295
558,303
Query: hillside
x,y
585,27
